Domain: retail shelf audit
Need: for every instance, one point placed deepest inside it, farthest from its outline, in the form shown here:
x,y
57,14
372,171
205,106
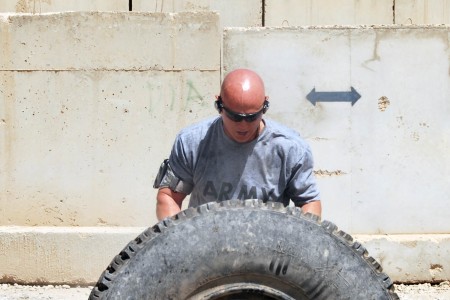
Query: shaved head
x,y
243,90
242,93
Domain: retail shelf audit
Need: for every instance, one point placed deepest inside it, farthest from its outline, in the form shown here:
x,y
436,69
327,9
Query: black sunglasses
x,y
238,117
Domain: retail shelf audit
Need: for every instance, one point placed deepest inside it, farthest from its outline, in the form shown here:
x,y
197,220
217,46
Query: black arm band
x,y
167,178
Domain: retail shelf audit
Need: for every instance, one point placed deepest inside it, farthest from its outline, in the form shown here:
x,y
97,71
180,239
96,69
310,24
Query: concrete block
x,y
82,148
111,41
233,13
60,255
400,130
392,144
422,12
236,13
411,258
38,6
78,143
78,255
327,12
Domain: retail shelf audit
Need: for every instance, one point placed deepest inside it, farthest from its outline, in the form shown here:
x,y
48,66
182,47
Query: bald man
x,y
238,155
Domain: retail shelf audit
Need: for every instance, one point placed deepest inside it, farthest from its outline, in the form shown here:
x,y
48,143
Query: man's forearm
x,y
166,209
314,207
168,203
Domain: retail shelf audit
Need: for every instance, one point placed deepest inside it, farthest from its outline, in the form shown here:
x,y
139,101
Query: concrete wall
x,y
328,12
350,12
389,152
275,12
45,6
60,255
82,111
232,12
422,11
248,14
383,164
90,104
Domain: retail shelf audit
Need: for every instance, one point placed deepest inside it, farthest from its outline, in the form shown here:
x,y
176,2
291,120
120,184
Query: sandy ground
x,y
21,292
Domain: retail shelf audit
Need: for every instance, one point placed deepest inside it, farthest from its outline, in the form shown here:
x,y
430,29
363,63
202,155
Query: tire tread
x,y
100,290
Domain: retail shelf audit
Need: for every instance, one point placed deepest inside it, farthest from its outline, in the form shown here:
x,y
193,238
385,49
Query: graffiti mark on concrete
x,y
193,93
159,96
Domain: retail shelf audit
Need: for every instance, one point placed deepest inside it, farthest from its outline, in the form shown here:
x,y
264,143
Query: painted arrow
x,y
315,97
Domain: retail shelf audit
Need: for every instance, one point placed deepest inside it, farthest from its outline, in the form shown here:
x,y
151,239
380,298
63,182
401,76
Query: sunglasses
x,y
238,117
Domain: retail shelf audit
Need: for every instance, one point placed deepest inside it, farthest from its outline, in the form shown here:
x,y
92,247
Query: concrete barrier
x,y
382,162
87,118
384,157
353,12
111,41
91,102
422,12
328,12
236,13
411,258
78,255
232,12
59,255
46,6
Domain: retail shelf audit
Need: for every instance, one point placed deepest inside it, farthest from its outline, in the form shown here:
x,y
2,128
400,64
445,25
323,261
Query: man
x,y
238,155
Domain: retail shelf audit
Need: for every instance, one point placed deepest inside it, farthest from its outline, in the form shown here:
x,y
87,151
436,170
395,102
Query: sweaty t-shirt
x,y
277,166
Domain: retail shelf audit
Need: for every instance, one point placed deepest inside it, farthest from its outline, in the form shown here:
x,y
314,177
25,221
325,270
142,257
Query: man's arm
x,y
168,203
314,207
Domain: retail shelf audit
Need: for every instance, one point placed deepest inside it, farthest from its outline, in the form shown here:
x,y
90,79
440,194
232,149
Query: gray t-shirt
x,y
277,166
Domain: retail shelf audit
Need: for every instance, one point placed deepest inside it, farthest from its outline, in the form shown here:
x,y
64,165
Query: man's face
x,y
246,129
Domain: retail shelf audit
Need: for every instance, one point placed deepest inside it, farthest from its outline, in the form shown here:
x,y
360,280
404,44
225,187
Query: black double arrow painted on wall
x,y
351,96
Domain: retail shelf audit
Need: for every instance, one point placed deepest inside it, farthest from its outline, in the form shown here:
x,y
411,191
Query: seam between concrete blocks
x,y
393,11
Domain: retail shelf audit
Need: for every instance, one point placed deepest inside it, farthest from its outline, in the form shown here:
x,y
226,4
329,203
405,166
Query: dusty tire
x,y
243,250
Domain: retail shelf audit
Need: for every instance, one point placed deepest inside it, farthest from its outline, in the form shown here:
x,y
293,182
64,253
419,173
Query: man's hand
x,y
168,203
314,207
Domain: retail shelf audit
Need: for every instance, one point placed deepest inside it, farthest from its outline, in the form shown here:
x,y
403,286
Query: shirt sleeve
x,y
181,162
302,186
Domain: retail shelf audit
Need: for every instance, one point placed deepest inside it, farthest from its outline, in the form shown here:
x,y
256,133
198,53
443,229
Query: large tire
x,y
243,250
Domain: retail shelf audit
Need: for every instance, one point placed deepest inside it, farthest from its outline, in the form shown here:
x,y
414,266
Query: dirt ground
x,y
20,292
